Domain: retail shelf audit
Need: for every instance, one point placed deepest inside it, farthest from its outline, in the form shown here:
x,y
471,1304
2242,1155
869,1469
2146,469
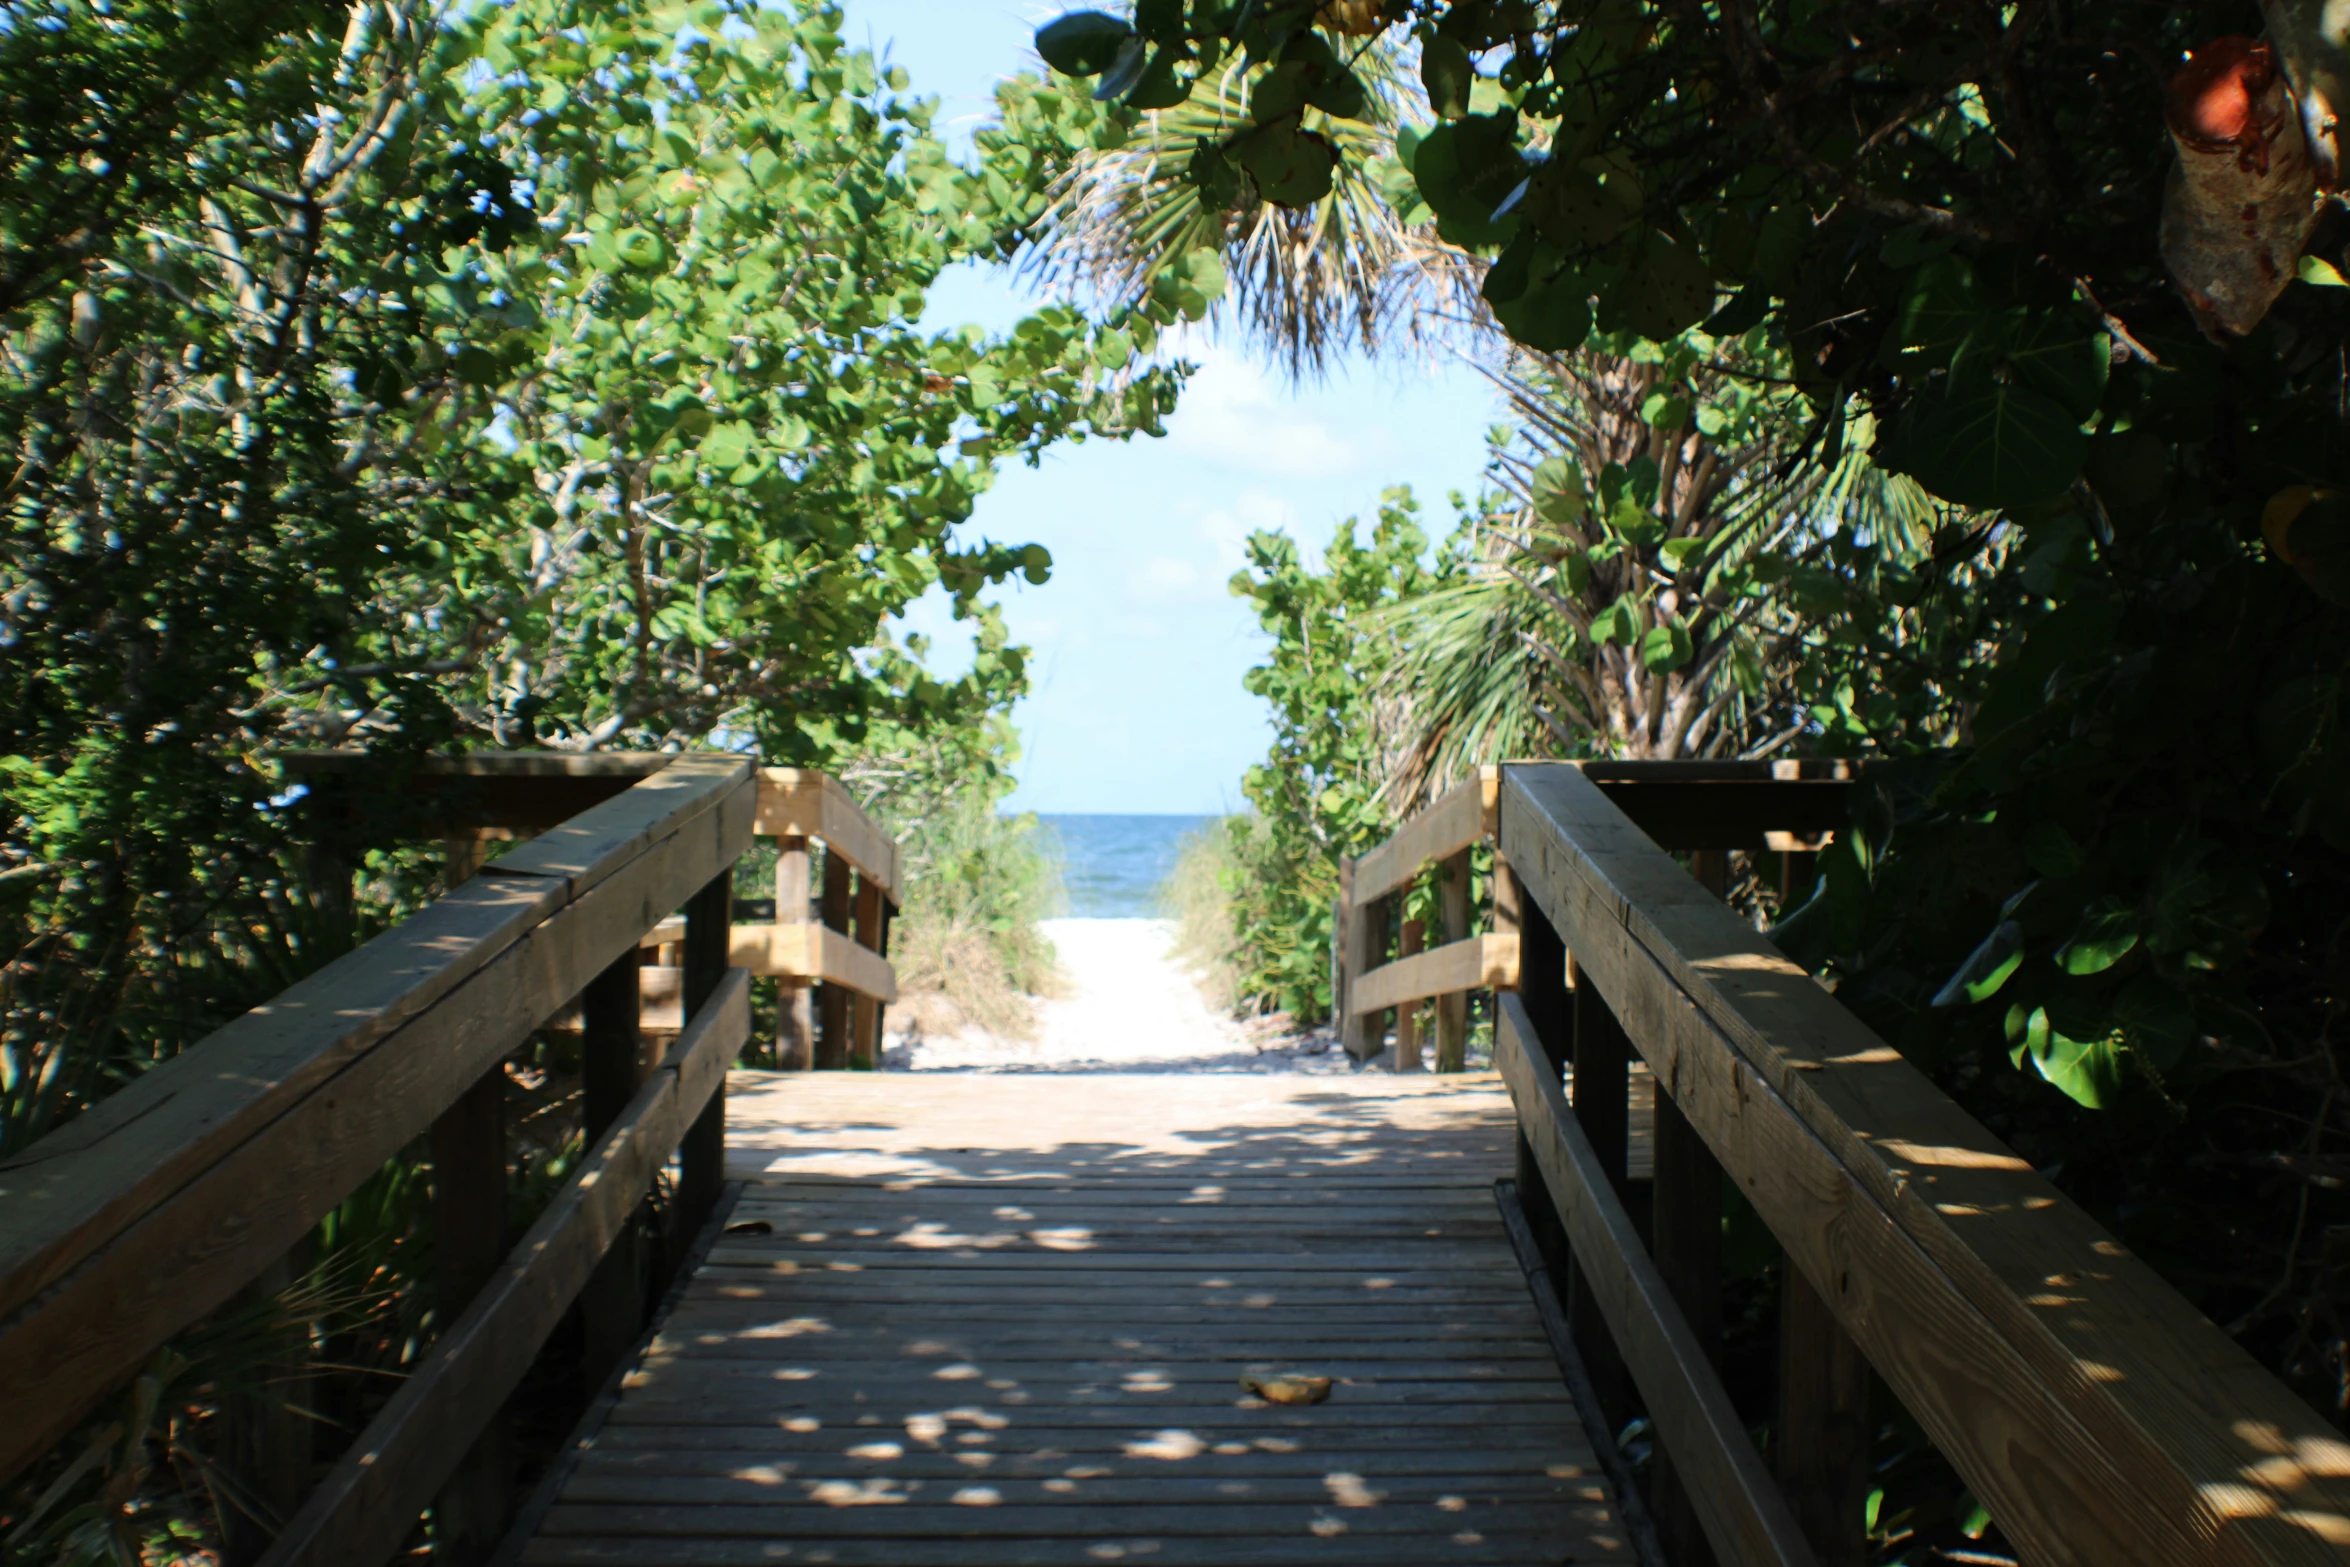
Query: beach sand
x,y
1127,1005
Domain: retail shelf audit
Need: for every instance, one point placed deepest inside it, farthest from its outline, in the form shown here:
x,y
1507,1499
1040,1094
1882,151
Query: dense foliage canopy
x,y
2102,898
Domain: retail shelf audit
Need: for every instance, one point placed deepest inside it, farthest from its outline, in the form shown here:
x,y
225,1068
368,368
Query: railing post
x,y
1407,1016
265,1436
795,1025
701,1156
1599,1091
469,1238
611,1061
1686,1239
865,1036
1354,1029
1542,986
832,1001
889,914
1452,1011
1820,1450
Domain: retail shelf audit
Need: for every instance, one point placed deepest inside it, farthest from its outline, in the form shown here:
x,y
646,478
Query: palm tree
x,y
1305,282
1610,606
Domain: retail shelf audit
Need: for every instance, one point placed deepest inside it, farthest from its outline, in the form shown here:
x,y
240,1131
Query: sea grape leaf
x,y
1981,442
1082,43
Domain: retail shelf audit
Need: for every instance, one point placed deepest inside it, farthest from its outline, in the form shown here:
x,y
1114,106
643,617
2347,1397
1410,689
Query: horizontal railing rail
x,y
1383,964
2097,1415
827,941
159,1205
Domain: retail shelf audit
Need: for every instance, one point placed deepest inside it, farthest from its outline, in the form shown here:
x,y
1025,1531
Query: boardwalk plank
x,y
990,1321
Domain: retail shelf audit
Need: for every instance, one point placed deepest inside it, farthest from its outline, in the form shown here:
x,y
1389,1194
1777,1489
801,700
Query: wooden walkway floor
x,y
1002,1319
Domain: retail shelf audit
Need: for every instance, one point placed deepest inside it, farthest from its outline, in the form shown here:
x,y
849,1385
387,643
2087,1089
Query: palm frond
x,y
1306,283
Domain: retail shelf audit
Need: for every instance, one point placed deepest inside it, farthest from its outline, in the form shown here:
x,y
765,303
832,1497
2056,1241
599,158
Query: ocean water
x,y
1112,866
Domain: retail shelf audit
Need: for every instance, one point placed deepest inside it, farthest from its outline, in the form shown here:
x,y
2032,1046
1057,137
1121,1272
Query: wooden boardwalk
x,y
1003,1319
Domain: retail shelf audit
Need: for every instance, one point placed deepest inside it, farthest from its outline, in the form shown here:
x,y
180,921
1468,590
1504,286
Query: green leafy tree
x,y
2110,919
1320,793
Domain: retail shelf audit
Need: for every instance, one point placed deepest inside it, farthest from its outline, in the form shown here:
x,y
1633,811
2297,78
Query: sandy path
x,y
1129,1007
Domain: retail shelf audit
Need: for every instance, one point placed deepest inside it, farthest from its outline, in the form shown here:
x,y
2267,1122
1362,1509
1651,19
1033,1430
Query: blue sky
x,y
1139,647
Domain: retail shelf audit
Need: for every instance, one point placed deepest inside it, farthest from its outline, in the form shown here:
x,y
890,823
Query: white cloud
x,y
1165,577
1233,412
1226,529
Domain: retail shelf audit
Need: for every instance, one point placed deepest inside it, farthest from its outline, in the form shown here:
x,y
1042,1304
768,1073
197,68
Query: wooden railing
x,y
2098,1416
1382,964
827,938
162,1203
832,952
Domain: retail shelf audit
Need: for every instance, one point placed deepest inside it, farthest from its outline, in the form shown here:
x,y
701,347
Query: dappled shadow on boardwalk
x,y
926,1341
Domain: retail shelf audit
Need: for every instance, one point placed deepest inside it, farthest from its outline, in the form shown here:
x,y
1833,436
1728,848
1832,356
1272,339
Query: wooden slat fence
x,y
160,1204
2099,1417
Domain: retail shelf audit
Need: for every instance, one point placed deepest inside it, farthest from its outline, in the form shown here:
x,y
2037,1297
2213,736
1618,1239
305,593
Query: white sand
x,y
1127,1006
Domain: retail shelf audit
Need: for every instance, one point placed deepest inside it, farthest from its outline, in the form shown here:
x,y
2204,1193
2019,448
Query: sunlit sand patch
x,y
878,1452
1472,1537
1088,1472
1277,1444
803,1424
1378,1284
978,1496
1205,1194
1147,1382
973,1438
758,1474
1259,1301
960,1371
792,1373
1013,1215
1452,1504
926,1429
813,1237
975,1460
1328,1528
1350,1490
1231,1447
1170,1445
788,1328
1070,1238
1060,1487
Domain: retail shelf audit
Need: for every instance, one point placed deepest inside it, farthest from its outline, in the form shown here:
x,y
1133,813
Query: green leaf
x,y
1082,43
1939,312
1664,290
2050,353
1980,442
2104,937
2321,273
1666,646
1446,72
2086,1070
2156,1018
1553,315
2049,849
640,250
1292,167
727,445
1986,968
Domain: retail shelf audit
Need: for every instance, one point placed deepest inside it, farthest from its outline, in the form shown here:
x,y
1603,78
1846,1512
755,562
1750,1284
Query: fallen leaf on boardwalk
x,y
751,1227
1286,1390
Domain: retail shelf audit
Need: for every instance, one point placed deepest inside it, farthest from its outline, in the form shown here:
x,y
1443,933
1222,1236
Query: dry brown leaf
x,y
1286,1390
2243,197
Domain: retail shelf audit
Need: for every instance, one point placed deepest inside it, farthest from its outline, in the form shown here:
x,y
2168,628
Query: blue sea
x,y
1112,865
